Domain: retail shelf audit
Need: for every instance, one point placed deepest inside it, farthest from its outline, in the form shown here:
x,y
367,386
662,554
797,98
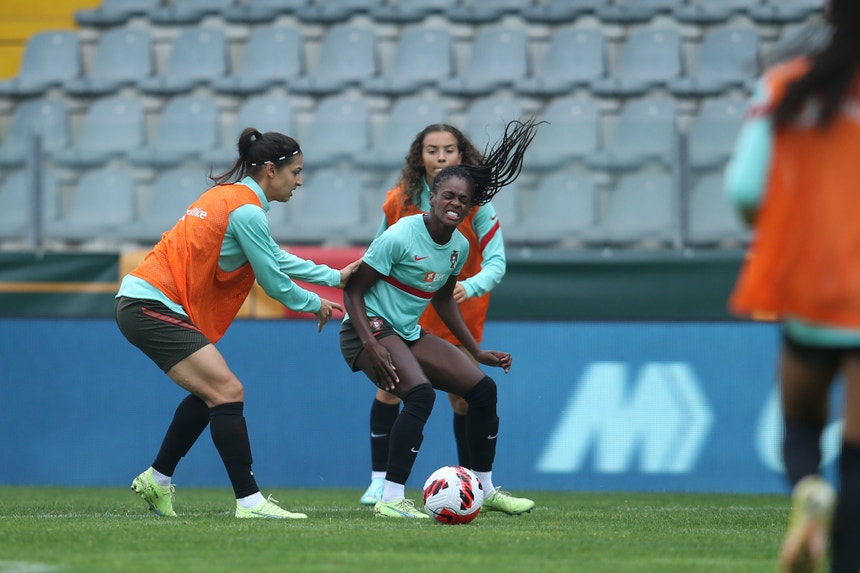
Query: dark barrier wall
x,y
587,406
539,285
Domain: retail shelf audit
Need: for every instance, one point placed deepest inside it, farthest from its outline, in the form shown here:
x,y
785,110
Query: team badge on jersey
x,y
455,255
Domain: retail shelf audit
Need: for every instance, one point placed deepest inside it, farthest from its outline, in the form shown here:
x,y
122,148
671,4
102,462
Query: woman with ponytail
x,y
795,176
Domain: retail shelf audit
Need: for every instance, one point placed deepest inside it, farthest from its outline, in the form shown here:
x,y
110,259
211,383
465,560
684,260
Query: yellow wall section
x,y
20,19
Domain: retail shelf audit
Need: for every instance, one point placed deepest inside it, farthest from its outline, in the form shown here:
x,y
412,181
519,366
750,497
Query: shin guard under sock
x,y
845,557
482,424
801,450
463,457
382,417
407,433
230,435
189,421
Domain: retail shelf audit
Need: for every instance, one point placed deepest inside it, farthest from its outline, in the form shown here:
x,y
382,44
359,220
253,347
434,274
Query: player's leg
x,y
383,413
459,406
407,432
451,370
806,374
845,555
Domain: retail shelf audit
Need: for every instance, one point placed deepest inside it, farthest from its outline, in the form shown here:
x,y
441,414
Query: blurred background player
x,y
182,298
435,147
795,175
415,262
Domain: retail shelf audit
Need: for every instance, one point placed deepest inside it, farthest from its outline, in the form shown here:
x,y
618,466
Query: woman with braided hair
x,y
416,262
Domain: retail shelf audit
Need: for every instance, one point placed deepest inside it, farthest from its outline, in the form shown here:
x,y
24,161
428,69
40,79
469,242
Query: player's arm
x,y
449,311
493,261
361,281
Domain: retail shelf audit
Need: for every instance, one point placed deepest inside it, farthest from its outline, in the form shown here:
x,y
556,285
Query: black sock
x,y
407,433
801,450
189,421
845,556
230,435
382,417
463,457
482,424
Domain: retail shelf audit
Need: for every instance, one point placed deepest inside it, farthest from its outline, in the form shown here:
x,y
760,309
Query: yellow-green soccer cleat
x,y
267,509
400,508
373,493
498,500
160,499
805,547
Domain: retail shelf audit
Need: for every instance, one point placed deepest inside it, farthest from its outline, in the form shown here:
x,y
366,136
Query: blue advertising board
x,y
586,406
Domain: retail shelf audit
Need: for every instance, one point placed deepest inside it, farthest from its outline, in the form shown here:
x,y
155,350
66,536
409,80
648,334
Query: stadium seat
x,y
559,11
499,56
711,219
575,56
263,112
785,11
645,131
186,12
640,211
422,57
339,130
103,202
709,12
650,57
172,192
328,208
273,55
409,11
509,209
47,117
112,127
571,133
16,208
115,12
187,127
123,56
479,12
728,57
261,11
408,116
486,118
335,11
629,12
197,56
562,208
712,132
49,59
347,55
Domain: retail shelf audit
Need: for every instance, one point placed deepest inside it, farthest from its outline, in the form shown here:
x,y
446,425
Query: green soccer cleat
x,y
267,509
400,508
805,546
498,500
373,493
160,499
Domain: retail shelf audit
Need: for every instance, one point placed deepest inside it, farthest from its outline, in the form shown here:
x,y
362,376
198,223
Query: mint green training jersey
x,y
414,267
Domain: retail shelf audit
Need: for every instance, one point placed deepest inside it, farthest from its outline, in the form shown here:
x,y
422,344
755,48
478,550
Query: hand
x,y
494,358
385,372
347,271
324,313
460,293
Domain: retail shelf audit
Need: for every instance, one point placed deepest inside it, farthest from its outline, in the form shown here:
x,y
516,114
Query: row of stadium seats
x,y
728,56
184,12
558,207
646,130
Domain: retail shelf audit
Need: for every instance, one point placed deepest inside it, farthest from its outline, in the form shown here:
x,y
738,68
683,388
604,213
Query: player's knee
x,y
458,404
482,395
419,401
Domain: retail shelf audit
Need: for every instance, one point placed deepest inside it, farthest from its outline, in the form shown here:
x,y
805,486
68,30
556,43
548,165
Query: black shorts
x,y
165,336
350,343
821,357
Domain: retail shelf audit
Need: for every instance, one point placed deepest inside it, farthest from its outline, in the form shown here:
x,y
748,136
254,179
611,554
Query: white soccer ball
x,y
453,495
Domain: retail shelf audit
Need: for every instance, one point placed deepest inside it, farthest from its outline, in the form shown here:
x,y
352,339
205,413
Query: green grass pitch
x,y
45,529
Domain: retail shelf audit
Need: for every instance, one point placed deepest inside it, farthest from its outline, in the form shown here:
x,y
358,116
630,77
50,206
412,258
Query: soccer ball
x,y
453,495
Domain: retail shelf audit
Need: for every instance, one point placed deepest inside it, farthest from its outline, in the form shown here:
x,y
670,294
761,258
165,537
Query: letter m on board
x,y
661,419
